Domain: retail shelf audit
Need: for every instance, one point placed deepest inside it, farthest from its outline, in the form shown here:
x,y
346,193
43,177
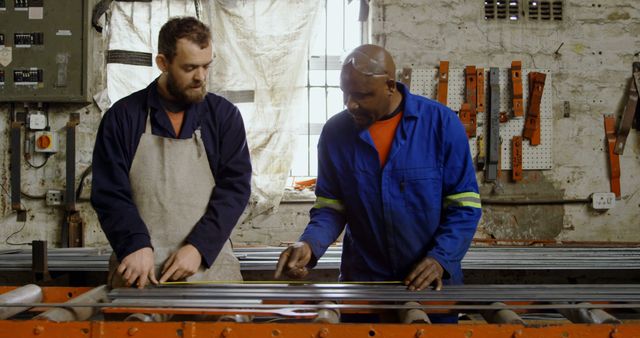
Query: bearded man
x,y
171,170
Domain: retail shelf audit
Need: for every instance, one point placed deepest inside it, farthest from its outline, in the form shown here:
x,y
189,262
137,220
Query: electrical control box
x,y
44,50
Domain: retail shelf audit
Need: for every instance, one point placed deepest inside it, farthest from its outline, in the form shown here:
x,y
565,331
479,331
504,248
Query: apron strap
x,y
147,128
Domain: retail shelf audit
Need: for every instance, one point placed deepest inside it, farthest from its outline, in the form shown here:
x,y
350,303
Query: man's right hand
x,y
138,265
293,261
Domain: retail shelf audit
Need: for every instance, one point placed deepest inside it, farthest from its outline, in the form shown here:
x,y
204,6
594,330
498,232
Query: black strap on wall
x,y
128,57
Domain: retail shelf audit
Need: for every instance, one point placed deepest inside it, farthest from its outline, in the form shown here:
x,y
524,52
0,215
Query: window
x,y
337,32
533,10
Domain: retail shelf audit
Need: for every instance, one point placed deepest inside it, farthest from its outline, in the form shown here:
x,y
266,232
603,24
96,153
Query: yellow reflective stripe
x,y
323,202
470,204
464,194
465,199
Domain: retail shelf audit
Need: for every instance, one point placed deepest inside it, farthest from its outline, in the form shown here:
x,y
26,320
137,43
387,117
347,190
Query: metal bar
x,y
39,261
74,310
312,307
99,329
586,315
16,167
453,293
265,258
502,316
516,158
443,82
480,90
29,293
516,81
70,196
465,117
532,121
614,159
494,126
472,98
627,116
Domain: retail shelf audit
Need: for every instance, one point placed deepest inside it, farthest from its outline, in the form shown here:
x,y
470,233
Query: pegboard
x,y
425,82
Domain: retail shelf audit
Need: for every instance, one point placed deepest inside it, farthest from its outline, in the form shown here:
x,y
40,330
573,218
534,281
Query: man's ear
x,y
162,62
391,85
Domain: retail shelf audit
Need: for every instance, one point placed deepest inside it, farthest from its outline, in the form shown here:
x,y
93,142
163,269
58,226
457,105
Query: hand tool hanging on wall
x,y
481,152
499,157
532,121
516,82
443,82
480,90
493,132
516,159
614,159
627,115
405,77
471,98
465,117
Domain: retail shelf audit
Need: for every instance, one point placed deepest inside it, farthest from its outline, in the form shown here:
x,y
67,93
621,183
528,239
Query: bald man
x,y
395,170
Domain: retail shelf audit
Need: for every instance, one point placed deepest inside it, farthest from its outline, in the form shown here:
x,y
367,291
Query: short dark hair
x,y
177,28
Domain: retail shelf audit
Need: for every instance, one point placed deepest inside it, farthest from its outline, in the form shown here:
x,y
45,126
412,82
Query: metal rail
x,y
317,292
265,258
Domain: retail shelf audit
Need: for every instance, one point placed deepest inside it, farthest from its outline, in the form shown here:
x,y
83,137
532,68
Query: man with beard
x,y
171,170
394,169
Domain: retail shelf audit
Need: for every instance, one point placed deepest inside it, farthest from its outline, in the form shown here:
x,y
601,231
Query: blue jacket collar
x,y
409,108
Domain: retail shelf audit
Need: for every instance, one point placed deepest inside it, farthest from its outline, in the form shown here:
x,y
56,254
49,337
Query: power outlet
x,y
603,200
54,198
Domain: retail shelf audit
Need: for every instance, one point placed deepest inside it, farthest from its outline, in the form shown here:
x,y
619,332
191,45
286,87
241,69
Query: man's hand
x,y
293,261
181,264
424,274
138,265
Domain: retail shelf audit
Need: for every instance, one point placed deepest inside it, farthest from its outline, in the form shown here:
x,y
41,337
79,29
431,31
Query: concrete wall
x,y
591,72
43,222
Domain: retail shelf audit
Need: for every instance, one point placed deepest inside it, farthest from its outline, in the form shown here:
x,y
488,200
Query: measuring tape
x,y
275,282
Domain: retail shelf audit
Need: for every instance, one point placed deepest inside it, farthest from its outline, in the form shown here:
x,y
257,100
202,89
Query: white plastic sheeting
x,y
134,26
259,46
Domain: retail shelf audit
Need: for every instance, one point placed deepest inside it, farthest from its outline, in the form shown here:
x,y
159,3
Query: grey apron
x,y
171,184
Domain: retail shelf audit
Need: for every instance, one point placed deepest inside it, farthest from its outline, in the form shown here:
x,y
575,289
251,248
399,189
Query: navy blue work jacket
x,y
224,138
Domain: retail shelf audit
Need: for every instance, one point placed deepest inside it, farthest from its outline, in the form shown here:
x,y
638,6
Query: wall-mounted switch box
x,y
46,142
37,121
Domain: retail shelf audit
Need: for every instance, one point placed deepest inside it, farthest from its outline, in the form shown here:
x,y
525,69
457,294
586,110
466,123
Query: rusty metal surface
x,y
101,329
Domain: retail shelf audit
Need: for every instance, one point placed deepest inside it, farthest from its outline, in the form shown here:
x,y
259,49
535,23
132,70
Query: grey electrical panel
x,y
44,50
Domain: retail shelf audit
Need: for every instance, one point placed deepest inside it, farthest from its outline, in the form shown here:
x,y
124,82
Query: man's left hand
x,y
425,273
181,264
